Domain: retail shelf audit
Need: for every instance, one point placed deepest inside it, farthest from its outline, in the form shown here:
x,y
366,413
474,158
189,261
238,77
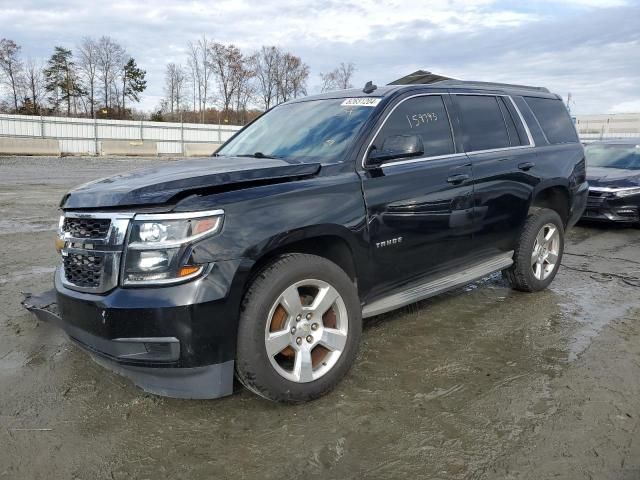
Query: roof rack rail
x,y
468,83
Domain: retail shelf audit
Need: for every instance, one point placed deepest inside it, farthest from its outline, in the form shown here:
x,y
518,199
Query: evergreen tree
x,y
61,79
133,82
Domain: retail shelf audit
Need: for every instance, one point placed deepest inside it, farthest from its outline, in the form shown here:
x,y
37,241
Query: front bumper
x,y
609,208
176,341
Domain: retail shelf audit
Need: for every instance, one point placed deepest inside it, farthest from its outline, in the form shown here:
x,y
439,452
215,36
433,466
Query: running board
x,y
419,292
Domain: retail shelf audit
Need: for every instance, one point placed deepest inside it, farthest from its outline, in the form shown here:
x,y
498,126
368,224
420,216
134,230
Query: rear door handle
x,y
526,166
458,178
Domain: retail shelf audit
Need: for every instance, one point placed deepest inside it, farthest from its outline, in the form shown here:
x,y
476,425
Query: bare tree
x,y
11,67
244,90
111,61
34,85
175,85
200,66
88,58
195,70
265,67
291,77
226,64
339,78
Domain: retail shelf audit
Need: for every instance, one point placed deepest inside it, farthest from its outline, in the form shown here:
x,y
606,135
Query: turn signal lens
x,y
188,270
59,244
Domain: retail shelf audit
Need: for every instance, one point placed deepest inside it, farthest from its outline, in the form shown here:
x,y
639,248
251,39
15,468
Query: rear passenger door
x,y
419,209
499,145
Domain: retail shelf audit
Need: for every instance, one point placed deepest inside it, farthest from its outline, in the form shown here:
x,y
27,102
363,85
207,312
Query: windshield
x,y
614,156
312,131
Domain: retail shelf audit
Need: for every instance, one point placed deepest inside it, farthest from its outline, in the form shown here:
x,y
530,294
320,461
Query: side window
x,y
514,137
554,119
424,116
483,124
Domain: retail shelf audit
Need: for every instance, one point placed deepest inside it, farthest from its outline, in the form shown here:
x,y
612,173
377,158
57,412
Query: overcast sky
x,y
590,48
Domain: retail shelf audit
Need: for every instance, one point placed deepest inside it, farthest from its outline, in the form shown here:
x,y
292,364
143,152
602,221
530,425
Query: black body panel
x,y
396,222
159,185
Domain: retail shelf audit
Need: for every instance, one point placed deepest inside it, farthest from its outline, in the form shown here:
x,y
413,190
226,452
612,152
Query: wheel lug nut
x,y
298,318
299,340
293,330
308,316
309,338
314,326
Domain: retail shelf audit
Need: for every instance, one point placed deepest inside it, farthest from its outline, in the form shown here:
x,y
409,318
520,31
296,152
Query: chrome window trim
x,y
422,159
531,144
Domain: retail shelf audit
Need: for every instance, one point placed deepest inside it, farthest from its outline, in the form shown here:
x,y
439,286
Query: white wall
x,y
620,125
83,136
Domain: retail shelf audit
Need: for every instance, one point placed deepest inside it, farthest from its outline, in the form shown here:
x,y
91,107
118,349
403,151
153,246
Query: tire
x,y
318,347
524,274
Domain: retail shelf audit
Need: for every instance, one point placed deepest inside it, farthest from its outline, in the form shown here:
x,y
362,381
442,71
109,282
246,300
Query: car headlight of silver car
x,y
158,246
627,192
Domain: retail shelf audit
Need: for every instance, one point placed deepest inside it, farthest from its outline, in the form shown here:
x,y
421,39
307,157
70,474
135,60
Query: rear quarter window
x,y
554,119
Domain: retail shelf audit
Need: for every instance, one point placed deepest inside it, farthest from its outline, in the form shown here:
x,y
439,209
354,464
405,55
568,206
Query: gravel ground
x,y
480,383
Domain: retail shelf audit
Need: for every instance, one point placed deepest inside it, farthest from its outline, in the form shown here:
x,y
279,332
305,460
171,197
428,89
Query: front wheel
x,y
299,329
539,252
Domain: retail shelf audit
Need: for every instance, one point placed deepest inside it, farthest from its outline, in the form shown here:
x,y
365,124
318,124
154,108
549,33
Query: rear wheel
x,y
299,329
539,252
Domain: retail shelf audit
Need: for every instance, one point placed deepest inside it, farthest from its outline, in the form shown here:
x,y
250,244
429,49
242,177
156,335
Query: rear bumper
x,y
174,341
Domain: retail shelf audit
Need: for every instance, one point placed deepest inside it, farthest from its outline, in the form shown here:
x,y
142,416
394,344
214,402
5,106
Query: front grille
x,y
87,228
83,270
594,202
93,246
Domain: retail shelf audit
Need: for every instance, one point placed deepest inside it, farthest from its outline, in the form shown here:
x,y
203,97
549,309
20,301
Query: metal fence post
x,y
181,135
95,134
141,130
219,132
41,126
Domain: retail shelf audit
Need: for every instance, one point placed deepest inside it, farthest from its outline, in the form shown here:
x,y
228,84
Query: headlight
x,y
627,192
157,250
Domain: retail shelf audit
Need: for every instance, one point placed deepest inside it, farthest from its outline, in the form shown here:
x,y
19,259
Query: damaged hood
x,y
612,177
159,185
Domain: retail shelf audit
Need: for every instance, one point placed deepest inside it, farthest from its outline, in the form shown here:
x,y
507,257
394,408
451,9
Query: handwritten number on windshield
x,y
418,119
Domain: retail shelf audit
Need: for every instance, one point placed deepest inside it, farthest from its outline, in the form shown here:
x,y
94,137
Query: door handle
x,y
458,178
526,166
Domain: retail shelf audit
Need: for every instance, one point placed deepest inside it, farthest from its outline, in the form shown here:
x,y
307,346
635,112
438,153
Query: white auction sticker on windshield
x,y
360,102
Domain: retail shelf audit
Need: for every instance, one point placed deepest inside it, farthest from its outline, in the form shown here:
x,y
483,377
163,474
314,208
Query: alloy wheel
x,y
546,251
306,330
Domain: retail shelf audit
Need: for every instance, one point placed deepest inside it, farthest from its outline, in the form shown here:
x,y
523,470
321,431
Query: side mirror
x,y
396,146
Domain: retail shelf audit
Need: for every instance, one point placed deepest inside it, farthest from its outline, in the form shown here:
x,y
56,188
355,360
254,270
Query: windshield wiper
x,y
256,155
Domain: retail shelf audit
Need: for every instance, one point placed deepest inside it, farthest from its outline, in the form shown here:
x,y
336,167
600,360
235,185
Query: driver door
x,y
419,208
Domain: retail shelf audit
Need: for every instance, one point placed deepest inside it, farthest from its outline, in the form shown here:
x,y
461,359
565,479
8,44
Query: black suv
x,y
263,260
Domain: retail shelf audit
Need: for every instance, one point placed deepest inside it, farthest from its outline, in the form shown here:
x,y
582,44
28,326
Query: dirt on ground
x,y
480,383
